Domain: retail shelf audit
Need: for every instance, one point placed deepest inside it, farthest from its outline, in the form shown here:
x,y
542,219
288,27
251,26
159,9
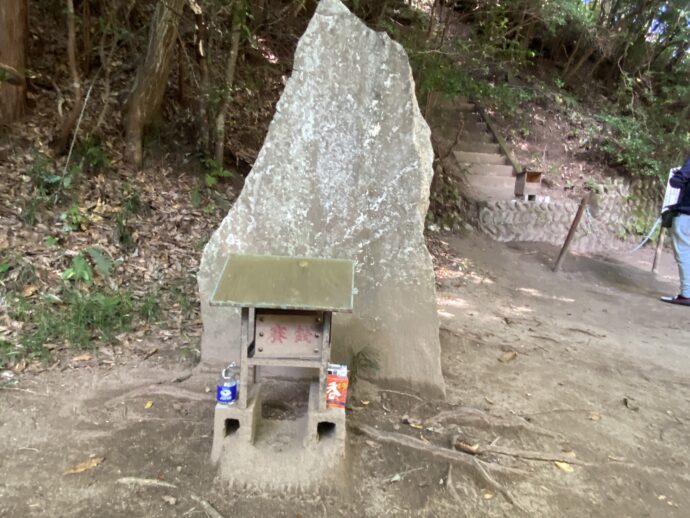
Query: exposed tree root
x,y
531,455
208,508
145,482
162,388
478,468
480,419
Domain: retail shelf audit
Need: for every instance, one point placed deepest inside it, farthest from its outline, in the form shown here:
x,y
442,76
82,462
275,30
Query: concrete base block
x,y
233,420
303,451
324,423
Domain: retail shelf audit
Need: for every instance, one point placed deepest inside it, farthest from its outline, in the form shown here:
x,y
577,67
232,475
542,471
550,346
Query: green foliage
x,y
91,154
591,184
195,197
7,353
131,204
51,241
124,233
76,318
213,171
49,186
101,261
79,270
627,143
16,272
44,177
73,219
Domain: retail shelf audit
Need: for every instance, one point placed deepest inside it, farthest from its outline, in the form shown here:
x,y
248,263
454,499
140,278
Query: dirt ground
x,y
585,367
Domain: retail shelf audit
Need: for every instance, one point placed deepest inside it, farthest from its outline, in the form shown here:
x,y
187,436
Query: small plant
x,y
43,175
74,219
79,270
131,203
213,171
592,185
7,353
195,197
124,233
15,273
92,155
51,241
362,363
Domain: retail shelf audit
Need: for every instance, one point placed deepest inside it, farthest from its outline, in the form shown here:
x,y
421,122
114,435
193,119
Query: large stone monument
x,y
344,172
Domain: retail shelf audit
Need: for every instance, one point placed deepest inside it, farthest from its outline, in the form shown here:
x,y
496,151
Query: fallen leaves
x,y
148,405
88,464
29,290
82,358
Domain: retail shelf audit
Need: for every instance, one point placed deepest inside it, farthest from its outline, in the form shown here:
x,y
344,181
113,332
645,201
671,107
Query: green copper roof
x,y
265,281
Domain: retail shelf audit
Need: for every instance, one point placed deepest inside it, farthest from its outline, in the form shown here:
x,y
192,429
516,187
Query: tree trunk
x,y
238,13
574,70
201,47
70,121
149,85
13,41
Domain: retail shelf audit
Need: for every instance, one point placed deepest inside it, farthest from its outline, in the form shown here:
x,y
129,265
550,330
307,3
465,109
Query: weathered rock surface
x,y
344,172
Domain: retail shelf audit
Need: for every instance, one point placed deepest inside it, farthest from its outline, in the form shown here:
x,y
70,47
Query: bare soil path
x,y
585,368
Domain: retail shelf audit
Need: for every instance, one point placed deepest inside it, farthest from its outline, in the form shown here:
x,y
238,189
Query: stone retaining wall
x,y
624,207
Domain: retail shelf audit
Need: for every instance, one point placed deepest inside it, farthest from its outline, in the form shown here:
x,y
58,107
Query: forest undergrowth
x,y
99,248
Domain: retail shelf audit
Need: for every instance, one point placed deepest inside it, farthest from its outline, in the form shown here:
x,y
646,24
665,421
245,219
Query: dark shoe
x,y
678,299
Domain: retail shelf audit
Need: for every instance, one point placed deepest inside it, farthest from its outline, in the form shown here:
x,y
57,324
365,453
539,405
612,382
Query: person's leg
x,y
681,249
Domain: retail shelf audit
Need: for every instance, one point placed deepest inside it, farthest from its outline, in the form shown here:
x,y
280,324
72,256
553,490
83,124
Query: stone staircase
x,y
489,173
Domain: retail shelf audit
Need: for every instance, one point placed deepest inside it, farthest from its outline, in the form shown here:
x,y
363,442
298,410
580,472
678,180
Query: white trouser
x,y
681,247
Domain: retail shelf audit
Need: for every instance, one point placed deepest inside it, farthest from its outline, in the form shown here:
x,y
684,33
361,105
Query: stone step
x,y
477,136
478,147
491,188
491,169
480,158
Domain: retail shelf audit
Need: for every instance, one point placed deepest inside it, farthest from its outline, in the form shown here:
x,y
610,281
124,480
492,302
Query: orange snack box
x,y
336,385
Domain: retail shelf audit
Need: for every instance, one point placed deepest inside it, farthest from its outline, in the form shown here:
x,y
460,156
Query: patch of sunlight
x,y
521,310
536,293
445,314
478,279
456,303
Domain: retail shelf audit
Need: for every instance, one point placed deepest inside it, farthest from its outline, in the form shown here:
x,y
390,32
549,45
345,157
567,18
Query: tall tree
x,y
149,86
69,122
13,42
238,16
